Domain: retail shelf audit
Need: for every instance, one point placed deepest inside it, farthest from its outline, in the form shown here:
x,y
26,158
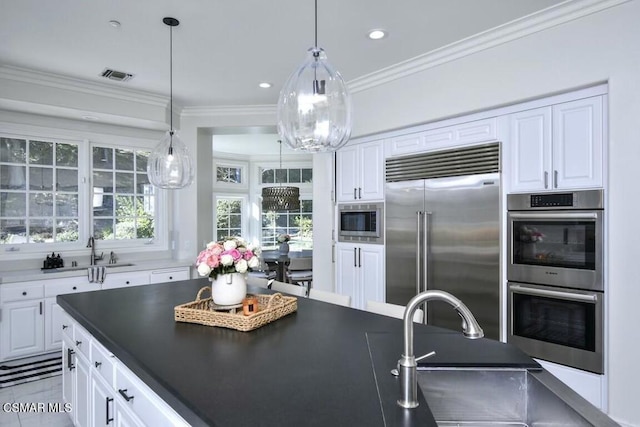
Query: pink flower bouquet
x,y
232,255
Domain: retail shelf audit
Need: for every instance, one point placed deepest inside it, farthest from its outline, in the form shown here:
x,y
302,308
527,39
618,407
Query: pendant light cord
x,y
316,24
171,78
280,142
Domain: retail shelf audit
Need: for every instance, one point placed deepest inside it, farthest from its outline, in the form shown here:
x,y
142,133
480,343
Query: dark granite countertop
x,y
315,367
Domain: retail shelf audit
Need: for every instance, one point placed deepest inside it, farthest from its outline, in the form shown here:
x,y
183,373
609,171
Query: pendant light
x,y
170,165
314,107
281,198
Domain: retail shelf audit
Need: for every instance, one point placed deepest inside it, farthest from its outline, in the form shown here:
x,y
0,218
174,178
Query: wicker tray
x,y
270,308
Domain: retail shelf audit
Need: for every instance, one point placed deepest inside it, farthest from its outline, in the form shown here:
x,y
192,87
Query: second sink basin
x,y
506,397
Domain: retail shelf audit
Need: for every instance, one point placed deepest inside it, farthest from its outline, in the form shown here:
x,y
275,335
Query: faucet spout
x,y
92,244
407,366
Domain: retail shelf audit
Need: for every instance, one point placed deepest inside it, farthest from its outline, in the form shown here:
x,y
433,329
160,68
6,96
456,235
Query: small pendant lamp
x,y
281,198
170,165
314,106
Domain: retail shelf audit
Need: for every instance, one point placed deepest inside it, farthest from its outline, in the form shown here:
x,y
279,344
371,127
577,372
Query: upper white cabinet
x,y
360,172
557,147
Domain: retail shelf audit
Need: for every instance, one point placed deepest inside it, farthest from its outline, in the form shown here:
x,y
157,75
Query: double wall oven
x,y
555,277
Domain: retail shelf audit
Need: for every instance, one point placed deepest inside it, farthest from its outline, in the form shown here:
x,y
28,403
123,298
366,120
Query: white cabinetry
x,y
22,326
102,391
557,147
360,272
122,280
360,172
169,275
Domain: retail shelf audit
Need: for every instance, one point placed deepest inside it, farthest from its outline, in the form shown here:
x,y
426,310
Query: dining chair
x,y
331,297
393,310
263,271
288,288
299,271
261,282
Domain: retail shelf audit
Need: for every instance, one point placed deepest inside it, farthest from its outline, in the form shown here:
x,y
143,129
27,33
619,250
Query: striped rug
x,y
30,369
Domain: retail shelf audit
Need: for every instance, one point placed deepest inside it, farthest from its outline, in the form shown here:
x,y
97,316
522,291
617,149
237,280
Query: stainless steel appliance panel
x,y
557,324
403,201
443,233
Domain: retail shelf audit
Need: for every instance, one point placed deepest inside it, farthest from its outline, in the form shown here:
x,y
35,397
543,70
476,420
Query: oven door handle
x,y
591,298
547,215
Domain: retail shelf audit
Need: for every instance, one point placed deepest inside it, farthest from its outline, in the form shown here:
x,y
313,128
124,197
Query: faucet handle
x,y
425,356
99,257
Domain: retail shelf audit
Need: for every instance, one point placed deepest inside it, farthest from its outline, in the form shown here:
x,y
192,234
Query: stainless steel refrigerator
x,y
443,233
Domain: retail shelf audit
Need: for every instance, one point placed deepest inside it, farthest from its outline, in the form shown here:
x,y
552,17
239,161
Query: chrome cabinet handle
x,y
590,298
546,179
555,179
123,393
419,250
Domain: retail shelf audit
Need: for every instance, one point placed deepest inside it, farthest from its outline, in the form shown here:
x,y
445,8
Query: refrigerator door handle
x,y
418,251
425,249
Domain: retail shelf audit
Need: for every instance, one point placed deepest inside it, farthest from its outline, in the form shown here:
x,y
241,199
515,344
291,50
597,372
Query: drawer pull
x,y
64,327
170,277
109,419
128,282
70,353
123,393
24,293
75,287
78,343
98,364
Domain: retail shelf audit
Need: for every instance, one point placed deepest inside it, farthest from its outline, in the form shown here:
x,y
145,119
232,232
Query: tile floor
x,y
48,390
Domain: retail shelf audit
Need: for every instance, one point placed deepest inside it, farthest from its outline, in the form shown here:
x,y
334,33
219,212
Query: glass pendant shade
x,y
281,198
169,165
314,107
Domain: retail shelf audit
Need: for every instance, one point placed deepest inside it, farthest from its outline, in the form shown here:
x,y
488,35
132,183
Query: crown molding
x,y
547,18
9,72
229,110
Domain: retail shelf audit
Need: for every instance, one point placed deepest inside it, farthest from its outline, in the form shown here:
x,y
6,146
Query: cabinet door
x,y
22,328
372,273
53,325
126,418
169,275
102,403
122,280
578,144
82,391
371,167
347,278
347,177
530,150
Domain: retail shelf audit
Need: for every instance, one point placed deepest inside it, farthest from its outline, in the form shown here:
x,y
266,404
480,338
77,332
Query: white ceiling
x,y
223,49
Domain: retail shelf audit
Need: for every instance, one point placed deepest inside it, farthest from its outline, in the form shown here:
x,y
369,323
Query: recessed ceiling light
x,y
114,23
265,85
377,34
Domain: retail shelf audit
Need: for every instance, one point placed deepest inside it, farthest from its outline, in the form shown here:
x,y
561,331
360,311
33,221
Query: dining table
x,y
279,260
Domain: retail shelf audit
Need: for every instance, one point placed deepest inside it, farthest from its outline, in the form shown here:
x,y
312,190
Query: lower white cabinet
x,y
104,392
30,318
360,272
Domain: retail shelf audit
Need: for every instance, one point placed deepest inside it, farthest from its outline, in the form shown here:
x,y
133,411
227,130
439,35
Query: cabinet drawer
x,y
69,287
142,401
66,323
21,292
102,362
161,276
122,280
82,340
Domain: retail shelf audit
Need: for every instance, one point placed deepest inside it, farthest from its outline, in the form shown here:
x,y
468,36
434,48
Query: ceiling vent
x,y
118,76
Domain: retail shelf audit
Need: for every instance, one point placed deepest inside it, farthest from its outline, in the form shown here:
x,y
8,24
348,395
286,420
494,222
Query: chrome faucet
x,y
407,366
93,257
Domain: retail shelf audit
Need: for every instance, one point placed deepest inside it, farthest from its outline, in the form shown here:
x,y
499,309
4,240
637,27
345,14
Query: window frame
x,y
230,163
244,209
85,141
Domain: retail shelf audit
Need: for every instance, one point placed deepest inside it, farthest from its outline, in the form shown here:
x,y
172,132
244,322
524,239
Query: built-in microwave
x,y
361,222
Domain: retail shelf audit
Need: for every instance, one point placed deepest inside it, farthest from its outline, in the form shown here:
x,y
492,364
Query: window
x,y
228,221
59,192
298,225
38,191
230,174
123,199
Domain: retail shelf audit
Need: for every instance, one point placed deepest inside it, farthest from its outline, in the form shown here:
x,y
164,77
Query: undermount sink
x,y
473,397
78,268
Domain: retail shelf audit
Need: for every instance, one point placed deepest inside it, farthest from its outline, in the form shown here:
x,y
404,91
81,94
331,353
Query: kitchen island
x,y
324,365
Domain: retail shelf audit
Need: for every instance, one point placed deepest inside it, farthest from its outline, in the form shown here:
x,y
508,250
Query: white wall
x,y
597,48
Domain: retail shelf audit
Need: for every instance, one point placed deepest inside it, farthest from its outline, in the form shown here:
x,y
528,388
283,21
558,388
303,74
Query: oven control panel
x,y
551,200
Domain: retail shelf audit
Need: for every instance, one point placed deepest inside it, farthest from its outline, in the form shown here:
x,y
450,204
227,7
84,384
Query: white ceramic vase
x,y
228,289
